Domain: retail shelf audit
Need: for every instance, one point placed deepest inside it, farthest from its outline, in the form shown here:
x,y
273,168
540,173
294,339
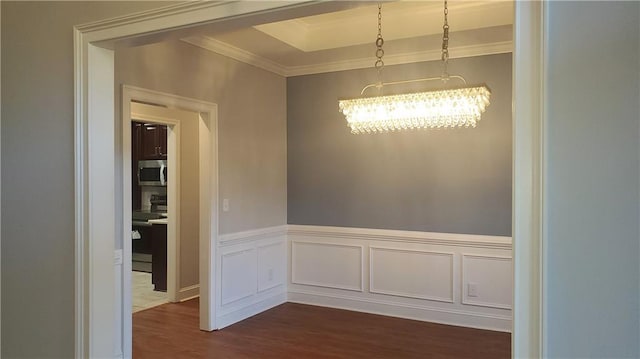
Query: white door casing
x,y
173,195
207,179
95,211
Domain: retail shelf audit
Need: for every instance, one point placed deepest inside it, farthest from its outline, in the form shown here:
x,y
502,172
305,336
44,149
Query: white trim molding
x,y
450,280
391,235
224,49
251,235
484,257
528,185
406,58
190,292
470,319
242,313
358,287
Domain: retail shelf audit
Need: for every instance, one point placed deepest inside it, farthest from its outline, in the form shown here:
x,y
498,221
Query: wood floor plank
x,y
303,331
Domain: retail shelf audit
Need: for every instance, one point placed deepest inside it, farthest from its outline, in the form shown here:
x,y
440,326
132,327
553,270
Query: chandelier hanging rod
x,y
382,84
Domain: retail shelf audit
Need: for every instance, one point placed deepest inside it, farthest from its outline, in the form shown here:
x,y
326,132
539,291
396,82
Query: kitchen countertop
x,y
147,218
158,221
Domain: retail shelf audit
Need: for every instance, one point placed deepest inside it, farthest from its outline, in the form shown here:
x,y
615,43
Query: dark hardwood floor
x,y
303,331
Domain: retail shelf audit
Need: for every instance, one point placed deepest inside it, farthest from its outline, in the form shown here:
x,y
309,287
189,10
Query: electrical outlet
x,y
225,205
270,274
472,290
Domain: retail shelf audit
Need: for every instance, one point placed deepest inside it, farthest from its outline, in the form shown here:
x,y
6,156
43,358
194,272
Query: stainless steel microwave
x,y
152,173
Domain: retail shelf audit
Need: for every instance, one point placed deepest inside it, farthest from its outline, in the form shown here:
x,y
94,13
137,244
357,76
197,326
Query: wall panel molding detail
x,y
252,271
437,283
330,265
271,266
415,275
238,272
492,272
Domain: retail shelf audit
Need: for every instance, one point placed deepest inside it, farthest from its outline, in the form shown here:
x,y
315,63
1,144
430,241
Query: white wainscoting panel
x,y
239,275
408,274
492,276
251,273
411,273
415,275
271,266
328,265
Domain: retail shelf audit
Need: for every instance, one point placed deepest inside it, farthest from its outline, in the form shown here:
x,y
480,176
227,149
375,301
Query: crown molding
x,y
406,58
156,13
224,49
250,58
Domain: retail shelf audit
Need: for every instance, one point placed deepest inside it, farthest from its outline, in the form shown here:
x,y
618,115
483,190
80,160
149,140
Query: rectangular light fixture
x,y
443,108
458,107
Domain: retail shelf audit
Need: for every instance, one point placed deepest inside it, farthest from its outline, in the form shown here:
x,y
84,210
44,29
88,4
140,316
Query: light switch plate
x,y
117,257
225,205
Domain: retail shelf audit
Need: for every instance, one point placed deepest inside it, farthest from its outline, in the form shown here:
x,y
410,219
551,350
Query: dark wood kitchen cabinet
x,y
159,257
142,244
153,142
136,140
148,142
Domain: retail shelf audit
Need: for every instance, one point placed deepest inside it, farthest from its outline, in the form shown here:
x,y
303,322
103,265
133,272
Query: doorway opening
x,y
149,207
94,129
167,160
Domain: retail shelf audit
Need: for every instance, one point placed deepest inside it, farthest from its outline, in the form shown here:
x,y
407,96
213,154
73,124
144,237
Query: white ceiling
x,y
345,39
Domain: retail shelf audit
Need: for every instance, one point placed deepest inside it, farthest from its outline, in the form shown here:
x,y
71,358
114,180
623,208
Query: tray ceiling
x,y
345,39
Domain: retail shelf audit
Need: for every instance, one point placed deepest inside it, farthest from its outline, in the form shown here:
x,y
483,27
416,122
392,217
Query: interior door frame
x,y
95,211
208,164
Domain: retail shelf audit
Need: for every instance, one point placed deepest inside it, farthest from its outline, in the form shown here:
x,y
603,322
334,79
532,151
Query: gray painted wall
x,y
251,123
454,180
592,180
37,138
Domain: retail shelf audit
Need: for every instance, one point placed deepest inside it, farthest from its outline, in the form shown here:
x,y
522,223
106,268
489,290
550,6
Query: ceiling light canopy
x,y
440,108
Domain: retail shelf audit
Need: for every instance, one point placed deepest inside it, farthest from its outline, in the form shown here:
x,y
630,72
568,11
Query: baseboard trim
x,y
401,310
251,310
190,292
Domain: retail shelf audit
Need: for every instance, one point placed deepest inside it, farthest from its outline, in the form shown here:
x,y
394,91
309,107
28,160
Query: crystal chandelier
x,y
449,107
